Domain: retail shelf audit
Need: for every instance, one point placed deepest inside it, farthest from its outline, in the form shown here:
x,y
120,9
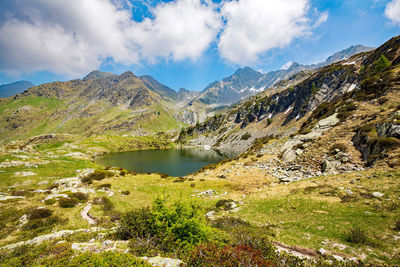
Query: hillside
x,y
100,103
11,89
315,183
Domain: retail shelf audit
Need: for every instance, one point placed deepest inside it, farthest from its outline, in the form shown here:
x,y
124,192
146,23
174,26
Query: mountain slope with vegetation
x,y
316,184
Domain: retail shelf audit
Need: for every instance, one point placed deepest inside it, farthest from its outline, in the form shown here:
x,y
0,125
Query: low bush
x,y
341,147
356,235
39,213
65,202
81,197
397,224
97,175
176,227
106,204
163,175
246,136
103,186
213,255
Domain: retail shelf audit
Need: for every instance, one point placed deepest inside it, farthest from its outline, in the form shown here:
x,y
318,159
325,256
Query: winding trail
x,y
85,214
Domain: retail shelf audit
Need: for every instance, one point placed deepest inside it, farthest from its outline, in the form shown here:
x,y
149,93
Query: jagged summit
x,y
246,81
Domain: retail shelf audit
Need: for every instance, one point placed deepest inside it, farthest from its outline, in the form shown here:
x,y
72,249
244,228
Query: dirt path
x,y
85,214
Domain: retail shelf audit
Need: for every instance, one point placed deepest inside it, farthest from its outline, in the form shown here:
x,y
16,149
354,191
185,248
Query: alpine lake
x,y
174,162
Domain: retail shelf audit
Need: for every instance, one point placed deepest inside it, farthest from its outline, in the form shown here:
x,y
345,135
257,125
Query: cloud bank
x,y
392,11
76,36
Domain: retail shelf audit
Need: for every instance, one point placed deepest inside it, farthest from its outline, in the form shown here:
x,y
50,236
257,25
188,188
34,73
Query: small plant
x,y
222,203
356,235
65,202
246,136
97,175
81,197
382,64
397,224
339,146
39,213
104,186
163,175
107,205
179,180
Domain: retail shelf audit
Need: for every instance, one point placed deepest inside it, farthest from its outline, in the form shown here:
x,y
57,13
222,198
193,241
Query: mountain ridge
x,y
11,89
236,87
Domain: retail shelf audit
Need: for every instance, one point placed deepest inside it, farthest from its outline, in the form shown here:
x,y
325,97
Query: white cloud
x,y
180,30
256,26
392,11
287,65
322,19
74,37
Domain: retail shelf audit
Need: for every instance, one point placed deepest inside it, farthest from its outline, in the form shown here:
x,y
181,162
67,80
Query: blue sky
x,y
182,43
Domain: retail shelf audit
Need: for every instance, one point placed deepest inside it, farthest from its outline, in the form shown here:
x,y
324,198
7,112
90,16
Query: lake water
x,y
170,161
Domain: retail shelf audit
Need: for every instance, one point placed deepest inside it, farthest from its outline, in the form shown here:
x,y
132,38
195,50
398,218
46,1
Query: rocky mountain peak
x,y
96,74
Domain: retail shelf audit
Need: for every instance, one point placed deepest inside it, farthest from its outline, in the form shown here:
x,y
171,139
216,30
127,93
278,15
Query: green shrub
x,y
222,202
212,255
97,175
174,227
101,186
356,235
107,205
65,202
163,175
81,197
382,64
50,201
397,224
341,147
246,136
39,213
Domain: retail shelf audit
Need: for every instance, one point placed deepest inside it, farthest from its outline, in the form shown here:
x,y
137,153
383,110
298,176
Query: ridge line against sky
x,y
182,43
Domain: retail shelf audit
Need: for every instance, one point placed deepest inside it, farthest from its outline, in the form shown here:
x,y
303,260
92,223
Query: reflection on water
x,y
170,161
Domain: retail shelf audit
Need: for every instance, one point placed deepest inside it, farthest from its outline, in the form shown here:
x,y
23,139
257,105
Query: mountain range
x,y
246,82
7,90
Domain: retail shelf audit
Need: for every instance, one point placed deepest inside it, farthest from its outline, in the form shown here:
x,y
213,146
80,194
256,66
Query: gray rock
x,y
230,205
377,194
322,251
289,155
163,262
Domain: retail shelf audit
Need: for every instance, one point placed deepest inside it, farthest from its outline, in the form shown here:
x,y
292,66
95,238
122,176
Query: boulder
x,y
289,155
377,194
163,262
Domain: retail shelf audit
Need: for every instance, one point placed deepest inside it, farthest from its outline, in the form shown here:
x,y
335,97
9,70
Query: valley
x,y
315,179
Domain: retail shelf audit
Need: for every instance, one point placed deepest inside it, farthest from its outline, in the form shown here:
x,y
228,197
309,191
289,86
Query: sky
x,y
182,43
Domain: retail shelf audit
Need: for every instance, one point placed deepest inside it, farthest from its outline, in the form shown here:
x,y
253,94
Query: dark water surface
x,y
170,161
